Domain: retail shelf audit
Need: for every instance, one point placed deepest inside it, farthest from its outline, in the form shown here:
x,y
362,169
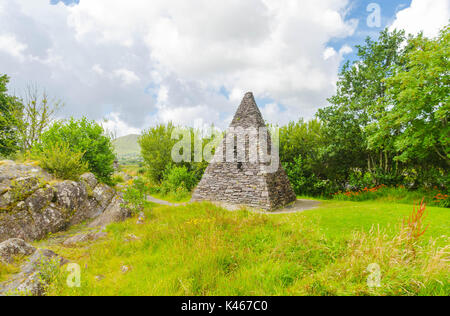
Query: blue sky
x,y
67,2
359,10
139,63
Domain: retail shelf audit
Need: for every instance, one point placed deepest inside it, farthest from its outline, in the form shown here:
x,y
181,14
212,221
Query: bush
x,y
178,179
135,195
359,180
116,179
62,162
304,181
83,136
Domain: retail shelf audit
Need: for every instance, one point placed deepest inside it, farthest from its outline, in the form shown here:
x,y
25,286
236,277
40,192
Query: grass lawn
x,y
340,219
201,249
173,198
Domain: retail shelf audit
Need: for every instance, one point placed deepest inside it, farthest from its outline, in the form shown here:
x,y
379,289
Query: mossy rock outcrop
x,y
34,204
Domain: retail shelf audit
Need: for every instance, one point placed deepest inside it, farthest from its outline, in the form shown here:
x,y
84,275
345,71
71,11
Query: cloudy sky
x,y
140,62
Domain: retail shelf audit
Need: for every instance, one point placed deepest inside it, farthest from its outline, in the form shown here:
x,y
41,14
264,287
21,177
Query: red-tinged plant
x,y
415,223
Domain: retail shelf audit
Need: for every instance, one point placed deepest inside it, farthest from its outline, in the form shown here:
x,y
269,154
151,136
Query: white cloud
x,y
114,124
98,70
10,45
428,16
160,60
329,52
345,50
127,76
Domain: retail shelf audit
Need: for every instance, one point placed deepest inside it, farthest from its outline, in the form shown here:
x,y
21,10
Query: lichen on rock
x,y
33,204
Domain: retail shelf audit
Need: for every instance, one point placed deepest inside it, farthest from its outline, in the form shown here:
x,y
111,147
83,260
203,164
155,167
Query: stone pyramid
x,y
246,180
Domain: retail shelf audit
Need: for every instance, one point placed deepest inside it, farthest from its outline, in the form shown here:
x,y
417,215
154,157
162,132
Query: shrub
x,y
359,180
443,200
178,179
83,136
62,162
304,181
116,179
135,195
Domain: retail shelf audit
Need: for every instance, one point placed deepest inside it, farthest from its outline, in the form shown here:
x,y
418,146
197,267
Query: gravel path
x,y
162,202
298,206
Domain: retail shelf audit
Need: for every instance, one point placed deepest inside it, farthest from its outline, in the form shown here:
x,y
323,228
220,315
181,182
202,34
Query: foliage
x,y
62,162
156,148
157,144
49,270
300,145
414,224
417,122
135,195
117,178
304,181
86,137
10,107
388,122
176,178
356,104
395,194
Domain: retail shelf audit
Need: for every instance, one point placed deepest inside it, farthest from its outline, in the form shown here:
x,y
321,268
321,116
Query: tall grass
x,y
201,249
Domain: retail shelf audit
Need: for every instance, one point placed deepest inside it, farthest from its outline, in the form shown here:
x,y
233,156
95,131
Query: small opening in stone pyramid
x,y
235,155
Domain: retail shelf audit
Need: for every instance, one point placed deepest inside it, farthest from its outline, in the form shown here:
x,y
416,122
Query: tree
x,y
358,103
38,112
83,136
10,110
156,148
418,96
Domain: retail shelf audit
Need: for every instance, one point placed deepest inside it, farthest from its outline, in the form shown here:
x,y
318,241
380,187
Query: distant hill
x,y
127,149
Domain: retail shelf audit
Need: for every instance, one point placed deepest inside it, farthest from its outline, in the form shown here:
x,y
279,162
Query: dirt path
x,y
298,206
162,202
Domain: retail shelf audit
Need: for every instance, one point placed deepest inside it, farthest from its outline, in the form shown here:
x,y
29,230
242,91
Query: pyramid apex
x,y
248,113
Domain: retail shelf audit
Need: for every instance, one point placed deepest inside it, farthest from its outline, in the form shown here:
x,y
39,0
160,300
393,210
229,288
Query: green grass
x,y
340,219
433,197
173,197
6,270
201,249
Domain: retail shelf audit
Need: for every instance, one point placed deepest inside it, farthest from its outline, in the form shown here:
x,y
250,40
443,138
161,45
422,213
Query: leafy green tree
x,y
301,144
10,114
83,136
361,89
156,148
300,139
418,93
157,144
